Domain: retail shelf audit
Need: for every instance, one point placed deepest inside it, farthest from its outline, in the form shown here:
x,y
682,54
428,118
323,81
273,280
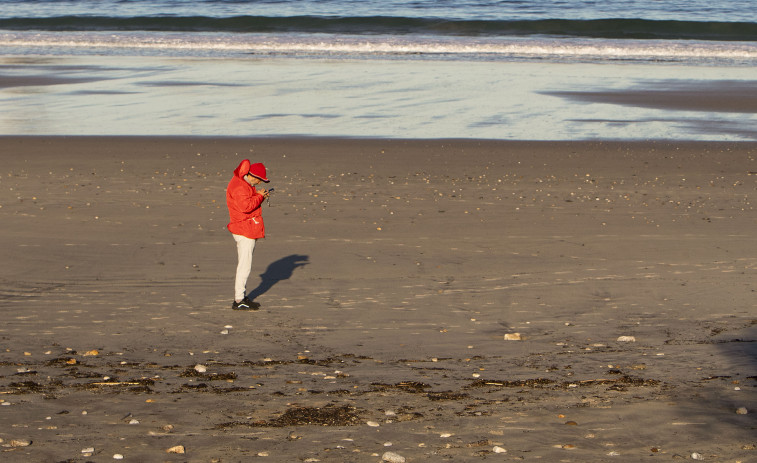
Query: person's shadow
x,y
281,269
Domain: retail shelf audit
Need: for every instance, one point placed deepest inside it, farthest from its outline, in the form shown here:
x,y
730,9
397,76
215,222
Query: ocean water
x,y
538,69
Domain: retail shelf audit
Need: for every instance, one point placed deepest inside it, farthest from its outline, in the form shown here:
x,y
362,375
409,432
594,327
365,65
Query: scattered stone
x,y
224,331
118,456
513,337
697,456
498,449
571,423
372,424
167,427
392,457
627,339
445,435
133,421
176,449
18,443
91,353
201,368
741,411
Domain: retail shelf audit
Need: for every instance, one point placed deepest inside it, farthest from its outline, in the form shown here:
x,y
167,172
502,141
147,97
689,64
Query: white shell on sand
x,y
513,337
741,411
697,456
498,449
372,424
626,339
201,368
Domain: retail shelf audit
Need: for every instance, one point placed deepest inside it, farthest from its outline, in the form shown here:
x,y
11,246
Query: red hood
x,y
242,169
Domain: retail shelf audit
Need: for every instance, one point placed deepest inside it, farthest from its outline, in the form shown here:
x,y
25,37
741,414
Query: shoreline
x,y
94,95
391,273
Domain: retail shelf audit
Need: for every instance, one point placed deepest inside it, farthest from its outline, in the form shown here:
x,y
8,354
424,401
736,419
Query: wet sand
x,y
391,276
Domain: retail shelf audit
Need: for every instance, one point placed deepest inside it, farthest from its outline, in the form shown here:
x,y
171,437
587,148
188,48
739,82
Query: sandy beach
x,y
438,300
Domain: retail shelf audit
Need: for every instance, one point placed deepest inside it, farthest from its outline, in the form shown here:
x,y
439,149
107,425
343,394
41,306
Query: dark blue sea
x,y
527,69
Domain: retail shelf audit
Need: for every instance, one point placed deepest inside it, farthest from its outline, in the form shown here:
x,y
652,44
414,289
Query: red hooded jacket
x,y
244,205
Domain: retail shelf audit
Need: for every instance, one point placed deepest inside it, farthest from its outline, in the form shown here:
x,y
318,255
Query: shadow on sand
x,y
279,270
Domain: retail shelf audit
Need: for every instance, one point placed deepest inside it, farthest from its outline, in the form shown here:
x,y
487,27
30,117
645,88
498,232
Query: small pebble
x,y
19,443
741,411
224,331
697,456
201,368
446,434
133,421
513,337
498,449
89,450
626,339
372,424
176,449
392,457
118,456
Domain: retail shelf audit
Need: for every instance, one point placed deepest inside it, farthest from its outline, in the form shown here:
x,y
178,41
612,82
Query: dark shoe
x,y
246,304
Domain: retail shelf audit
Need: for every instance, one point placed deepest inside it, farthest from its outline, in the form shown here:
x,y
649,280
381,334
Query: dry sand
x,y
391,274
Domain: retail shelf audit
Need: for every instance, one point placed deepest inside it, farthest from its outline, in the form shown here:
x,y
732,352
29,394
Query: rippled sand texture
x,y
623,275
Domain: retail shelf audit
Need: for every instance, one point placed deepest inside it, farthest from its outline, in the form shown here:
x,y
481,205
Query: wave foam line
x,y
388,45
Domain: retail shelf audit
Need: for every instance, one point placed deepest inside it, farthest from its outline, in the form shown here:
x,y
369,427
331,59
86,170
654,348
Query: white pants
x,y
245,248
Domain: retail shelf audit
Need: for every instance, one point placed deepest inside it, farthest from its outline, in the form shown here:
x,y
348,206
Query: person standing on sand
x,y
246,224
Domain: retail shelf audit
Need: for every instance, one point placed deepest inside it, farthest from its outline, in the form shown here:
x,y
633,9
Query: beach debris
x,y
741,411
133,421
18,443
167,427
176,449
697,456
392,457
513,337
91,353
372,424
626,339
498,449
224,331
201,368
118,456
88,452
445,435
571,423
